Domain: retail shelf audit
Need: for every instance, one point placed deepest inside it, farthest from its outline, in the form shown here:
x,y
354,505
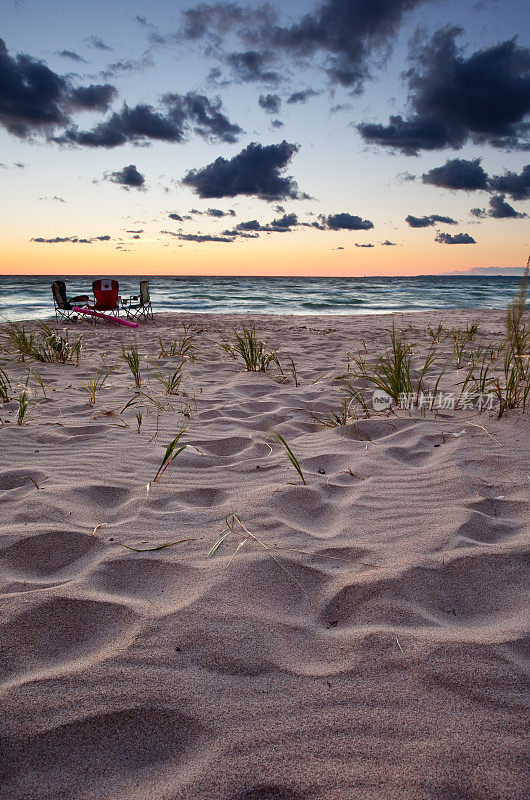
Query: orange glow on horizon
x,y
276,256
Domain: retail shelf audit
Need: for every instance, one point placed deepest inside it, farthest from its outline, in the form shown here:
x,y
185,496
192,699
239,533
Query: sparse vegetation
x,y
178,348
251,350
22,406
392,372
49,346
132,359
292,458
5,386
95,383
172,451
170,381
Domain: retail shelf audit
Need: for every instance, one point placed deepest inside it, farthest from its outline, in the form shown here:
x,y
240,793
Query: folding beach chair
x,y
64,305
106,294
139,306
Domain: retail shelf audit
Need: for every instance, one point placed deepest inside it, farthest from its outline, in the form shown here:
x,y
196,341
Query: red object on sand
x,y
90,312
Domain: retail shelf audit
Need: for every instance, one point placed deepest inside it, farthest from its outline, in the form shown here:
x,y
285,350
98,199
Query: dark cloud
x,y
276,123
176,217
54,197
457,173
499,209
282,224
200,238
72,55
128,66
35,98
255,171
141,230
458,238
388,243
427,222
344,221
301,97
218,213
128,177
204,115
517,186
97,43
405,177
363,245
485,98
93,98
142,123
408,136
346,33
270,103
71,239
252,66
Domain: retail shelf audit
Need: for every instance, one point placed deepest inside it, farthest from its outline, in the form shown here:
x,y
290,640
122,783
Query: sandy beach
x,y
359,636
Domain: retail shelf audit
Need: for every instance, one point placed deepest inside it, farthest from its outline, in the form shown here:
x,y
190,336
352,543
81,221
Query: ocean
x,y
29,296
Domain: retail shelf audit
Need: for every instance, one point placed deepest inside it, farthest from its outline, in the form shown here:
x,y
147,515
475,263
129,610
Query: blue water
x,y
29,297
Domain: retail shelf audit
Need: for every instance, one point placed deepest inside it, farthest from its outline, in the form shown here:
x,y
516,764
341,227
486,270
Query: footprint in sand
x,y
17,478
54,554
117,750
59,633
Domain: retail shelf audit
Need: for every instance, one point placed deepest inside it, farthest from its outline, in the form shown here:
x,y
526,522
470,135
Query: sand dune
x,y
374,647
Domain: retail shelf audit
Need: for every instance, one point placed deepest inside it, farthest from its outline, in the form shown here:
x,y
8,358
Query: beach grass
x,y
247,347
95,383
292,458
132,359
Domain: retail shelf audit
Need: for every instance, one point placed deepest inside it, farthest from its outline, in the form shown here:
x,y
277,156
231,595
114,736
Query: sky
x,y
336,138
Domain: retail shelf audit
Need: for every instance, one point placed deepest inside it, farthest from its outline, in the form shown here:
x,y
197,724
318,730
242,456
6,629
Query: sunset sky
x,y
346,137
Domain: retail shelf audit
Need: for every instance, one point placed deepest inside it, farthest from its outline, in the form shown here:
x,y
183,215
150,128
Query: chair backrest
x,y
59,295
144,293
106,294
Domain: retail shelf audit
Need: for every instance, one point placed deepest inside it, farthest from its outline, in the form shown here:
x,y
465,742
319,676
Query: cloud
x,y
128,66
485,98
301,97
128,177
176,217
282,224
344,221
270,103
97,43
276,123
72,55
510,271
141,230
458,238
427,222
142,123
517,186
255,171
346,34
458,174
35,98
54,197
405,177
218,213
388,243
499,209
363,245
252,66
71,239
92,98
199,237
